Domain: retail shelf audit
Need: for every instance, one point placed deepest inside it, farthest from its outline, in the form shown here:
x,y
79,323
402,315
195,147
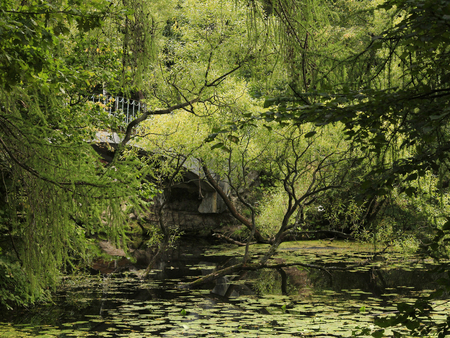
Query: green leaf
x,y
217,145
310,134
446,226
233,138
211,137
411,177
270,102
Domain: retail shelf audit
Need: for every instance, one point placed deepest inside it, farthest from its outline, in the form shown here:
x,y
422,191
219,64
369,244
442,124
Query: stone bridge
x,y
192,205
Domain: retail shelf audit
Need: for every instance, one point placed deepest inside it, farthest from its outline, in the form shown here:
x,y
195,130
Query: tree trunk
x,y
231,206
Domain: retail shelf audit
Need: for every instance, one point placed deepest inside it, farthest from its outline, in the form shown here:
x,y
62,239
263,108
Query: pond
x,y
295,301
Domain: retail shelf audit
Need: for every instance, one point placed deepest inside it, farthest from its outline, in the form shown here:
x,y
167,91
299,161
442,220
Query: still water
x,y
340,300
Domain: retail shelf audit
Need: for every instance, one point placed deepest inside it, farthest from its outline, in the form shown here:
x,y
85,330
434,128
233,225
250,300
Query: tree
x,y
56,193
302,164
394,106
407,111
222,107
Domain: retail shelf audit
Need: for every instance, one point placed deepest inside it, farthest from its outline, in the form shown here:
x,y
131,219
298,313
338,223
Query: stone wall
x,y
192,205
191,212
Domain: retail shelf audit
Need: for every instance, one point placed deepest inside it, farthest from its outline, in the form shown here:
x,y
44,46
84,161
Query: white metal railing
x,y
119,106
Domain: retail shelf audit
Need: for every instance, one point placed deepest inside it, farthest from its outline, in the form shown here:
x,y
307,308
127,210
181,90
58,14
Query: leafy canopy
x,y
56,194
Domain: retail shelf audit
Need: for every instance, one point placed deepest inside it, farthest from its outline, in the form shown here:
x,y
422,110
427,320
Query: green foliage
x,y
14,287
412,316
354,119
391,103
56,195
272,210
405,113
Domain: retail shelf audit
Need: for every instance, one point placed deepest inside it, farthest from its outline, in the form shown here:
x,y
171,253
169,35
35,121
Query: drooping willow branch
x,y
32,171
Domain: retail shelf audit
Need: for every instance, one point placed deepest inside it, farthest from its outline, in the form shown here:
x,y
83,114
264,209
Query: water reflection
x,y
294,301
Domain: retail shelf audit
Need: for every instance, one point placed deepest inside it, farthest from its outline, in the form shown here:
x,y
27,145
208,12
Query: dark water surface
x,y
295,301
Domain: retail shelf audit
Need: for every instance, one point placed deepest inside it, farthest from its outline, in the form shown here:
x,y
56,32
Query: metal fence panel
x,y
120,106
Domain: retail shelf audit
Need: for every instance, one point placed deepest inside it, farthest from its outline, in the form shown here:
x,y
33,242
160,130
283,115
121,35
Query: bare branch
x,y
222,77
231,240
249,224
146,114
